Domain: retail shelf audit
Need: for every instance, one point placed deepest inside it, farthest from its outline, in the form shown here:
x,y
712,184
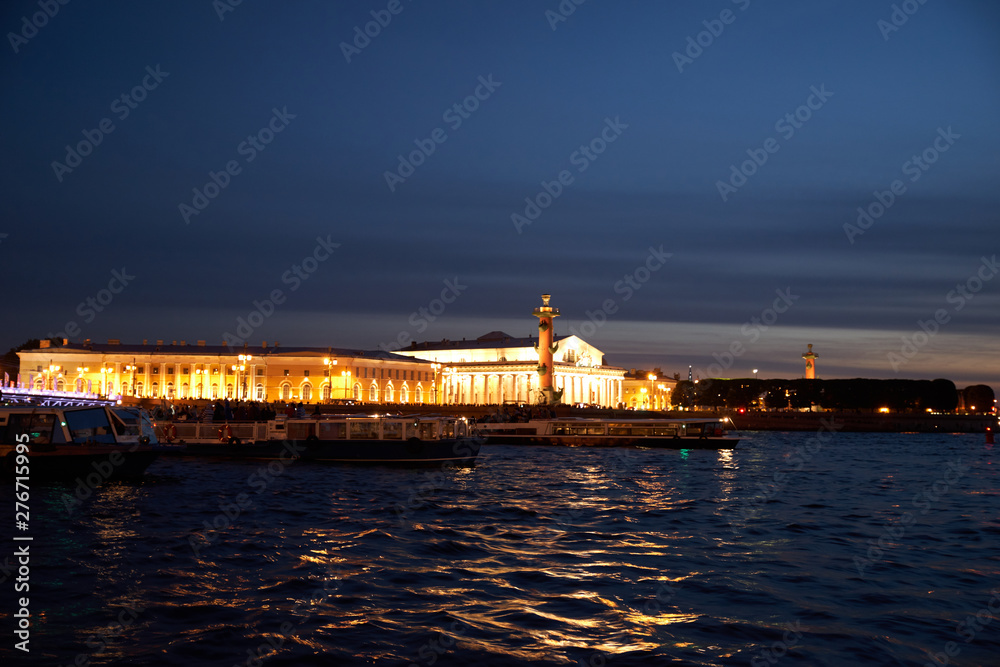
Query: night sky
x,y
683,171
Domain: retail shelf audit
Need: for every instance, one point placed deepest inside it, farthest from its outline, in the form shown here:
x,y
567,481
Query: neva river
x,y
852,549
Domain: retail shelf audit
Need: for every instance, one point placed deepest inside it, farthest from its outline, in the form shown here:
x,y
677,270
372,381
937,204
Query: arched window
x,y
326,391
260,392
79,385
138,389
229,390
39,385
185,390
307,392
170,390
420,394
60,385
373,393
404,394
155,390
357,391
215,391
388,393
286,391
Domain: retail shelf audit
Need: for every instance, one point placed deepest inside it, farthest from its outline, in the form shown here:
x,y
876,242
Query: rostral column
x,y
546,348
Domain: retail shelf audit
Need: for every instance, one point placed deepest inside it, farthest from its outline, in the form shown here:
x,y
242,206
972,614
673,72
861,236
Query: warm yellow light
x,y
883,410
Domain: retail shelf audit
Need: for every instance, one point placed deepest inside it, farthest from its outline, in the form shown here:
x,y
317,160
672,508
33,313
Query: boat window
x,y
93,424
38,427
299,431
426,431
392,430
364,430
332,430
124,422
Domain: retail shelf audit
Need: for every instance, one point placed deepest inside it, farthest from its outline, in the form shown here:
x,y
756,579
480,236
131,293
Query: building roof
x,y
220,350
491,340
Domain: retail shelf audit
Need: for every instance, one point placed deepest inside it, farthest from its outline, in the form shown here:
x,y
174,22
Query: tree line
x,y
857,394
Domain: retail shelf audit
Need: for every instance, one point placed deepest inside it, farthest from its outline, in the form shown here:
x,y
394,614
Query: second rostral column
x,y
546,348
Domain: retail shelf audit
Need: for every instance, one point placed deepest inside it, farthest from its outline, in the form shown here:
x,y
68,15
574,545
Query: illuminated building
x,y
267,373
499,368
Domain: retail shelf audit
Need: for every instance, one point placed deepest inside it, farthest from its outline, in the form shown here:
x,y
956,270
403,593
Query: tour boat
x,y
589,432
410,440
91,442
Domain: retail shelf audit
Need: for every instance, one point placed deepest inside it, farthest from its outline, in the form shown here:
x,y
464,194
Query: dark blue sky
x,y
676,133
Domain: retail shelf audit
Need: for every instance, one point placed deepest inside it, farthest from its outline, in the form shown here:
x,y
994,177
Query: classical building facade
x,y
181,371
499,368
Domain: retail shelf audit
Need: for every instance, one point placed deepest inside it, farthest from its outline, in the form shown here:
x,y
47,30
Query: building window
x,y
285,372
170,390
260,392
326,392
186,370
420,394
404,394
156,370
286,390
388,393
170,370
215,391
307,392
155,390
260,371
357,392
373,393
305,373
229,390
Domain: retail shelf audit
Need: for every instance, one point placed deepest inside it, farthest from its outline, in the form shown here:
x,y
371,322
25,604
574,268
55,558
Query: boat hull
x,y
652,442
71,462
406,453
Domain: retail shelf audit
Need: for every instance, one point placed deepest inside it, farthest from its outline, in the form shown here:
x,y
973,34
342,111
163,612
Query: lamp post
x,y
80,370
131,370
327,364
435,368
755,374
347,379
652,379
244,362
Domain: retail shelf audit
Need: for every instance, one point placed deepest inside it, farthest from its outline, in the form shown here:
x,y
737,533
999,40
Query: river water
x,y
795,549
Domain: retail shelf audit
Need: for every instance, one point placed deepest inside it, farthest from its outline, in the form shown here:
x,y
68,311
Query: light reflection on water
x,y
545,555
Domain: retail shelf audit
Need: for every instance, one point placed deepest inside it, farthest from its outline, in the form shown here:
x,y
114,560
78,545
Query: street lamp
x,y
652,379
244,362
347,379
327,363
435,368
755,374
80,370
